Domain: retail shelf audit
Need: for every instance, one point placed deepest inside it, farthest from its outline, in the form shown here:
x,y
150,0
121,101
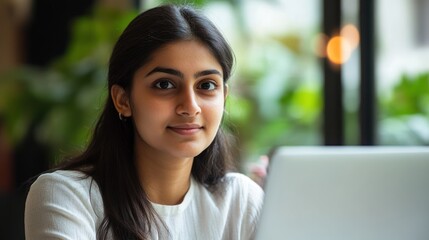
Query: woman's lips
x,y
185,129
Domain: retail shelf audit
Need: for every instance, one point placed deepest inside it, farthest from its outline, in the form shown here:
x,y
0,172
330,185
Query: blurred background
x,y
308,72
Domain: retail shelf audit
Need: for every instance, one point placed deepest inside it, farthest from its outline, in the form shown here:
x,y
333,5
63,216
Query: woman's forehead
x,y
186,54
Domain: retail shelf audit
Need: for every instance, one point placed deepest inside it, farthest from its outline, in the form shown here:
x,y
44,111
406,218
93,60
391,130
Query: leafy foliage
x,y
404,116
59,103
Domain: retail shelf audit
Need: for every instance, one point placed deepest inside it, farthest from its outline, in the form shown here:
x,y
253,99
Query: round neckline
x,y
169,210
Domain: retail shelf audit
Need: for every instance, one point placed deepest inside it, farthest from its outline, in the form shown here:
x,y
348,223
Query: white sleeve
x,y
59,207
247,206
254,196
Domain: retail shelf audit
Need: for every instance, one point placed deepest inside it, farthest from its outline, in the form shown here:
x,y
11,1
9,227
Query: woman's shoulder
x,y
244,199
67,201
59,174
66,182
234,187
240,187
64,178
239,180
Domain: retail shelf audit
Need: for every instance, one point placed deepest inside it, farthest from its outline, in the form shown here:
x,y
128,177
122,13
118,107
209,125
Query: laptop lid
x,y
346,193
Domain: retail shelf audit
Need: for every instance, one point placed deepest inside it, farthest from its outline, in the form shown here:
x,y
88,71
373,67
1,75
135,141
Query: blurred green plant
x,y
404,112
274,101
60,102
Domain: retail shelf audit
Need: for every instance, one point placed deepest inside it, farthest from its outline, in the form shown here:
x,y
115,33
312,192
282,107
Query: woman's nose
x,y
188,103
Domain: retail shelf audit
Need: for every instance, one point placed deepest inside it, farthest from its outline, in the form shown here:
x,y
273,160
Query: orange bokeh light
x,y
351,34
340,47
338,50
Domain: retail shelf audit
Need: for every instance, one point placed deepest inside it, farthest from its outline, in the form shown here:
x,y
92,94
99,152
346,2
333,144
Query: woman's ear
x,y
121,100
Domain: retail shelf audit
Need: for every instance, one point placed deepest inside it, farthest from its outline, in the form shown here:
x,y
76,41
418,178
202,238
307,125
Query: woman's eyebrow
x,y
180,74
166,70
207,72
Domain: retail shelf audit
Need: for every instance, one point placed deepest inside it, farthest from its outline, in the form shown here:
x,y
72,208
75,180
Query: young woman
x,y
157,165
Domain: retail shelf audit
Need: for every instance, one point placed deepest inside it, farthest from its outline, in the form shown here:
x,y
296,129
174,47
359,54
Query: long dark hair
x,y
109,158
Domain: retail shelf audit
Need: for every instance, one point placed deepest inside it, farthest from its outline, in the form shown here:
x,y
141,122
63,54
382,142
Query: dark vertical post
x,y
367,86
333,126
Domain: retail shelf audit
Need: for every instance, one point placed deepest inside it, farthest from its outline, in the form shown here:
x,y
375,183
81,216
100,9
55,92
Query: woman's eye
x,y
208,86
164,84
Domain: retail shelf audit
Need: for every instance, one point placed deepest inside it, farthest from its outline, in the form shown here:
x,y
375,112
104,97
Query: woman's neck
x,y
165,181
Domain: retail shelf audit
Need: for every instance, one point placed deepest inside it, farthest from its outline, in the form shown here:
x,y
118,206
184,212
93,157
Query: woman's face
x,y
177,101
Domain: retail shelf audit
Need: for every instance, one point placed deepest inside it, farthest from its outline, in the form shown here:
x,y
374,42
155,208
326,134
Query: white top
x,y
63,205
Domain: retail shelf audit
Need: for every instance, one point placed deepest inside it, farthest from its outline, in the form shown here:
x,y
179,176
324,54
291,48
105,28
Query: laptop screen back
x,y
347,193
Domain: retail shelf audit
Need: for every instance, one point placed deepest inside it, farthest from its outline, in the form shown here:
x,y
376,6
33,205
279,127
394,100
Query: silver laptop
x,y
346,193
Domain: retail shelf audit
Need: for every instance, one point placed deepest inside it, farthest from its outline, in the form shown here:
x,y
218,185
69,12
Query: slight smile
x,y
186,129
